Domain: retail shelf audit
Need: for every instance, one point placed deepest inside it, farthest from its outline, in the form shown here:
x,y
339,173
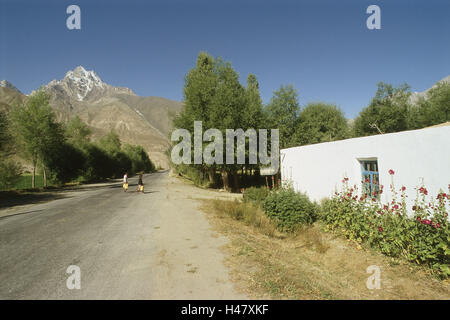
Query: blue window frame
x,y
370,177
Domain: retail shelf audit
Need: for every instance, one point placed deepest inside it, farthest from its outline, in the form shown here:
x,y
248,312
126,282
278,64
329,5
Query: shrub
x,y
256,195
423,238
289,209
65,163
9,173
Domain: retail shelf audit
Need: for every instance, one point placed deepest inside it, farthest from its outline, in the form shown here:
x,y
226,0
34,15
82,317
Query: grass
x,y
309,264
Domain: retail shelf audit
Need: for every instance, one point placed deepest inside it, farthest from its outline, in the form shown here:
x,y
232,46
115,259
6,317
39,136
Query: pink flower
x,y
403,188
391,172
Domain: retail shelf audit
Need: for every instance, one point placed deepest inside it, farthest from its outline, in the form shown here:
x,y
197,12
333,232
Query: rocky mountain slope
x,y
416,96
138,120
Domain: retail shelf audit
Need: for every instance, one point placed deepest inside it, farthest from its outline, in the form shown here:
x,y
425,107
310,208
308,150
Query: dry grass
x,y
310,264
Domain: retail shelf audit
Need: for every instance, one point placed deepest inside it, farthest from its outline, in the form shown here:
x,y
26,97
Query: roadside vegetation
x,y
316,251
57,152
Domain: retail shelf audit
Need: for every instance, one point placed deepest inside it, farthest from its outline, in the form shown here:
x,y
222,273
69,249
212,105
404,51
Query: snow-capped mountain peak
x,y
81,84
84,81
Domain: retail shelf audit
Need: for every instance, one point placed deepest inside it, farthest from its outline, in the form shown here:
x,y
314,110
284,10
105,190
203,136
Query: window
x,y
370,177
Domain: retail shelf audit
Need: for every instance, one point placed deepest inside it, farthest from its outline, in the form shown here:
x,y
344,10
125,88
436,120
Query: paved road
x,y
155,245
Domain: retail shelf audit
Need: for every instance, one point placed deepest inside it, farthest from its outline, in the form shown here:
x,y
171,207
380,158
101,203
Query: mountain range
x,y
138,120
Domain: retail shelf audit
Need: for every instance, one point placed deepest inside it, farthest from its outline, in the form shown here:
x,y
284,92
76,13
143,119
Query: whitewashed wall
x,y
318,169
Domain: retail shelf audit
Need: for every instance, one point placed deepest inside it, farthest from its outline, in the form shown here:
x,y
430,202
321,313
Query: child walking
x,y
140,184
125,182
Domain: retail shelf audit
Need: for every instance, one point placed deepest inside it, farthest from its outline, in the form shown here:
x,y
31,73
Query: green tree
x,y
200,87
77,132
110,143
386,113
5,137
282,112
37,131
140,161
228,111
253,116
214,96
432,109
9,170
320,122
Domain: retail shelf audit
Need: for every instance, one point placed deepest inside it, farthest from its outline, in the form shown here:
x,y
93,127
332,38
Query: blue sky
x,y
322,47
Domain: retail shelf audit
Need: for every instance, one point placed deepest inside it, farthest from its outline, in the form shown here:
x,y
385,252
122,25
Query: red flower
x,y
391,172
438,225
418,219
441,196
380,229
403,188
396,207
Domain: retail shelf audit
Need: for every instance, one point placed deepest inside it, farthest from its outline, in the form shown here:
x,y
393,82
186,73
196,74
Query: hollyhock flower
x,y
438,225
418,219
403,188
391,172
396,207
380,229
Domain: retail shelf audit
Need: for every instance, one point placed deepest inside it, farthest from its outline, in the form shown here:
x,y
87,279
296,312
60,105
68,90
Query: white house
x,y
414,156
